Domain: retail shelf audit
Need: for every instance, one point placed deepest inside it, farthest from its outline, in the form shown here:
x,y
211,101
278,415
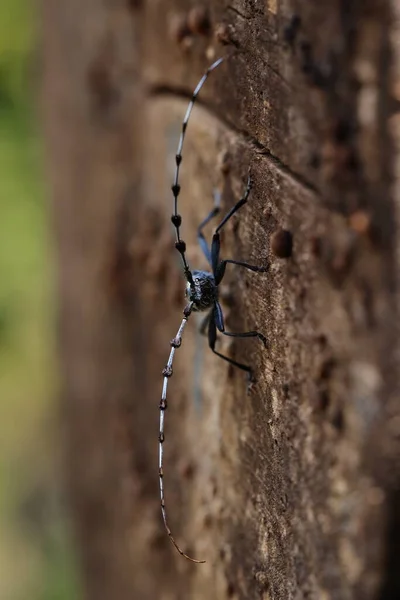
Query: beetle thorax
x,y
204,292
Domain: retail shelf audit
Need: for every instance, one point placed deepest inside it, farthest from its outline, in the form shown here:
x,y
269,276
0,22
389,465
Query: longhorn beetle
x,y
201,290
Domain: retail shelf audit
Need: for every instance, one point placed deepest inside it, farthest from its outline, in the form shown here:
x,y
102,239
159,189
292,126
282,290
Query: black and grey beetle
x,y
201,289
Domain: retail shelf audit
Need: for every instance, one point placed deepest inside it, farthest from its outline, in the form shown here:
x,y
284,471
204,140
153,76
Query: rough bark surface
x,y
289,491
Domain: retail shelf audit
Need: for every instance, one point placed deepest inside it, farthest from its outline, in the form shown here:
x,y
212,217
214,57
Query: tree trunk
x,y
288,490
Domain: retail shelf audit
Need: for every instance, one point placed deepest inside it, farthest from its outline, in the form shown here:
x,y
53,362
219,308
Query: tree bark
x,y
289,491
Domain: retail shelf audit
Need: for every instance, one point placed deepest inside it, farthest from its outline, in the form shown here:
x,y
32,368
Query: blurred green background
x,y
36,558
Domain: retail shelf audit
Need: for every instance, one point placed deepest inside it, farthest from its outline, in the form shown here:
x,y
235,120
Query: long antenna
x,y
167,372
176,188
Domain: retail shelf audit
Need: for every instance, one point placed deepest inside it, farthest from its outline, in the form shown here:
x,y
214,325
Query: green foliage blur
x,y
36,559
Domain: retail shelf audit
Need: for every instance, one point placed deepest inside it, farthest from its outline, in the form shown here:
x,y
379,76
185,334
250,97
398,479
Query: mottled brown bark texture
x,y
291,490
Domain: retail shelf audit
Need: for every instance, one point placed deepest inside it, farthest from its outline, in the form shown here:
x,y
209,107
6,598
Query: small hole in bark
x,y
327,368
315,160
322,400
338,419
188,470
282,243
343,131
207,522
230,590
316,246
322,341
